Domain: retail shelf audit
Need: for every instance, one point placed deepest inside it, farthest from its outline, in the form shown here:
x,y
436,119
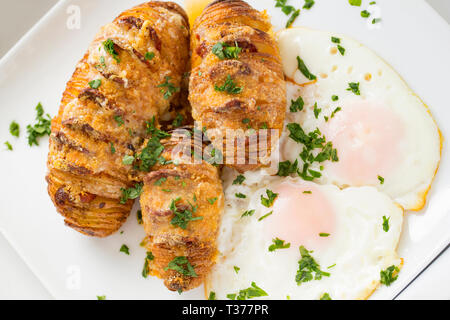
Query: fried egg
x,y
282,221
383,134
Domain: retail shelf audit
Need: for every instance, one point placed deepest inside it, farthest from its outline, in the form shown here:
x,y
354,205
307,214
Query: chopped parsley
x,y
131,193
317,111
239,179
240,195
170,88
8,146
212,296
182,266
252,292
265,216
236,269
389,275
14,129
297,105
271,196
335,111
95,84
307,192
128,160
308,4
119,120
381,179
149,56
229,86
325,296
183,217
111,147
365,14
335,40
311,141
356,3
278,244
99,298
178,121
109,47
303,69
148,258
151,154
286,168
212,200
224,51
139,217
308,269
324,235
292,18
354,87
386,223
334,98
376,20
125,249
41,128
341,49
248,213
160,181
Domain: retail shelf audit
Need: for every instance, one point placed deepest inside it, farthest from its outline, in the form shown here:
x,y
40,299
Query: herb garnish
x,y
303,69
139,217
297,105
308,266
171,89
239,179
224,51
308,4
14,129
248,213
109,47
41,128
252,292
95,84
365,14
8,146
149,56
131,193
286,168
356,3
236,269
265,216
381,179
119,120
125,249
212,296
389,275
292,18
182,266
354,87
271,196
386,223
184,216
240,195
229,86
148,258
111,147
325,296
212,200
278,244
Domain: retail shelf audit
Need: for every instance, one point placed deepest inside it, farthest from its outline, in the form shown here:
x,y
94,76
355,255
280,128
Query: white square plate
x,y
412,37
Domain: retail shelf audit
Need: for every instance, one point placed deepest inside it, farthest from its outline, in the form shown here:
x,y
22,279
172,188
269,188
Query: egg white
x,y
418,149
359,248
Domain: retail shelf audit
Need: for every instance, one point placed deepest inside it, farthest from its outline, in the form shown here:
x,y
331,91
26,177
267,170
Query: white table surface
x,y
16,279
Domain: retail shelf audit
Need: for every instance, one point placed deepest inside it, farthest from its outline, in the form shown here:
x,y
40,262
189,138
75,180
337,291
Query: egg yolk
x,y
368,140
302,215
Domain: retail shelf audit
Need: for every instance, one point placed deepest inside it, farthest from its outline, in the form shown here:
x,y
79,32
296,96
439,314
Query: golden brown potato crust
x,y
196,188
97,126
257,70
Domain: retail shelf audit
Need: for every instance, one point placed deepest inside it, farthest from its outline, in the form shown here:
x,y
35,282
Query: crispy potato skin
x,y
258,70
85,176
189,185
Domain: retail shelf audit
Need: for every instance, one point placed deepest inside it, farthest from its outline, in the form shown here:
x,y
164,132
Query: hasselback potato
x,y
237,80
181,208
129,78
